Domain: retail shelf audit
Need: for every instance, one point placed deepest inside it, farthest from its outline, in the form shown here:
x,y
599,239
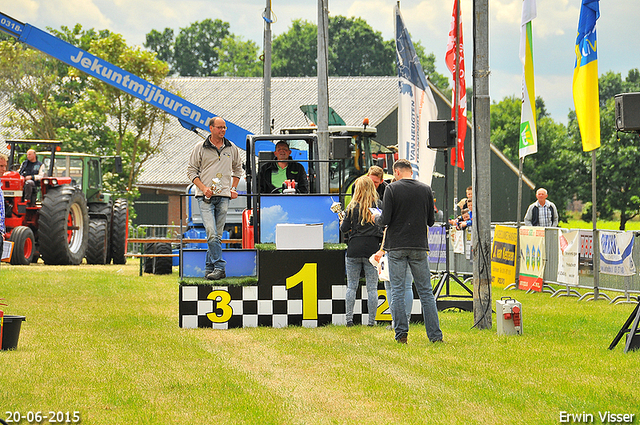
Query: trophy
x,y
336,207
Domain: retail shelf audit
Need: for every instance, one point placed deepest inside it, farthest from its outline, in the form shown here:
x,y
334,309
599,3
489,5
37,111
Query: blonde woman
x,y
364,240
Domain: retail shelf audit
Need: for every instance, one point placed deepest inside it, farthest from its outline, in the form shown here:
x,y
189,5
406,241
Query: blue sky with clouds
x,y
554,30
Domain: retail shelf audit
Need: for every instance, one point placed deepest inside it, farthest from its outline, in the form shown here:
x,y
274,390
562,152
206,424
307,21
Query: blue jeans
x,y
214,215
418,262
408,296
354,266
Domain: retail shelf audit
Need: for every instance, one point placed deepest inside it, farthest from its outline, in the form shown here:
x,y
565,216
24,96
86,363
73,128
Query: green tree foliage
x,y
205,49
196,48
162,44
556,161
31,82
617,159
53,101
354,49
295,51
238,58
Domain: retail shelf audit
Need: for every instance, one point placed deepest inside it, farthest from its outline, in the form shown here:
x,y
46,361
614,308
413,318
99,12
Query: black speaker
x,y
340,147
442,134
627,111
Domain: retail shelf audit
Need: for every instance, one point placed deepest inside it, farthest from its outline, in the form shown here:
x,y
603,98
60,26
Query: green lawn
x,y
105,342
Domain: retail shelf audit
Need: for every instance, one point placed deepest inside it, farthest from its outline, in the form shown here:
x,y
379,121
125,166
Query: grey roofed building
x,y
239,100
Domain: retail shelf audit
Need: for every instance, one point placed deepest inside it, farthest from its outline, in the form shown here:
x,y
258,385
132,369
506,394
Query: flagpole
x,y
456,107
518,215
596,237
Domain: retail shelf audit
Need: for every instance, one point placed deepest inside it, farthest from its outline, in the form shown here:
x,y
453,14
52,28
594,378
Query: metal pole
x,y
596,237
266,94
481,168
323,94
518,218
456,107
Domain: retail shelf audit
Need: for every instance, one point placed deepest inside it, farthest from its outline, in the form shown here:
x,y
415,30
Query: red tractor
x,y
71,218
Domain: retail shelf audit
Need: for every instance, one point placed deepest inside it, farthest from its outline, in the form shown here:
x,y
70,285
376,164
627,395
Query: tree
x,y
161,43
197,46
354,49
60,102
238,58
137,128
617,158
556,154
295,51
30,81
204,49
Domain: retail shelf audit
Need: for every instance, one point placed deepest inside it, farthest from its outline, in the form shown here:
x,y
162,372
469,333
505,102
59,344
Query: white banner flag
x,y
416,107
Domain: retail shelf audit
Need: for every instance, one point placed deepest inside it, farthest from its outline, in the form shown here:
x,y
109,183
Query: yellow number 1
x,y
308,276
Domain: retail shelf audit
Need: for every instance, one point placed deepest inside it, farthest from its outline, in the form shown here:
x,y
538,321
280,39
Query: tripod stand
x,y
463,301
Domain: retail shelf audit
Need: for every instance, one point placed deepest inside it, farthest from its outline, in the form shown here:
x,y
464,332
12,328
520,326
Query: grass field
x,y
104,342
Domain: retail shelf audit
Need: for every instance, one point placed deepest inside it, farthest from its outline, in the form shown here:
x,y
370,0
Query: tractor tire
x,y
24,246
98,246
119,231
63,226
101,211
158,265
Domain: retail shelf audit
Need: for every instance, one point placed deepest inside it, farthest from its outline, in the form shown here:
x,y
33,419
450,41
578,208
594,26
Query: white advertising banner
x,y
569,248
616,249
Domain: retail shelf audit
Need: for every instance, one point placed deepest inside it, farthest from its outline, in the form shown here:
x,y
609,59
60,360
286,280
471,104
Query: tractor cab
x,y
357,147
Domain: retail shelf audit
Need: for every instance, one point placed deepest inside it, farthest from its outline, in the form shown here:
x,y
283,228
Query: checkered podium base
x,y
226,307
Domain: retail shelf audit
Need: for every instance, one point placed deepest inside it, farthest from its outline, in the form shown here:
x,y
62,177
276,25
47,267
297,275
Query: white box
x,y
299,236
506,310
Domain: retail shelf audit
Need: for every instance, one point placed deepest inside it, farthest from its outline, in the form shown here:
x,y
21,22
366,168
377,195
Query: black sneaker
x,y
349,324
217,274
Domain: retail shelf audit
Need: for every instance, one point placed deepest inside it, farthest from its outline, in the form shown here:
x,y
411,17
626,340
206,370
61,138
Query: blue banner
x,y
190,116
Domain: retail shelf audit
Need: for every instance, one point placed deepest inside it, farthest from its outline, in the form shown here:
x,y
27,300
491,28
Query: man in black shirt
x,y
408,212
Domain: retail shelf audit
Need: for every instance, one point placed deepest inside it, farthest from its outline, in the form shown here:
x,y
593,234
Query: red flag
x,y
457,153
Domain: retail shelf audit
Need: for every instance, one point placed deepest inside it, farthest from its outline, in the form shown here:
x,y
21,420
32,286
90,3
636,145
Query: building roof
x,y
239,100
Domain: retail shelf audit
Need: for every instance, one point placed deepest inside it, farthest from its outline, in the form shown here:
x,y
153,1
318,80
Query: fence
x,y
151,231
461,264
625,284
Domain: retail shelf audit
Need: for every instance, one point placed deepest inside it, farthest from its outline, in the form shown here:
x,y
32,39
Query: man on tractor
x,y
32,171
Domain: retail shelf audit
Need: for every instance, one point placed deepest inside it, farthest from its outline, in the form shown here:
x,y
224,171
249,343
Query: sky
x,y
428,21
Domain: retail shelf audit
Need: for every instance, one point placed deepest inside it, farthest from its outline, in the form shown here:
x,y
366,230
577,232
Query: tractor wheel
x,y
101,211
63,226
98,245
158,265
119,231
24,245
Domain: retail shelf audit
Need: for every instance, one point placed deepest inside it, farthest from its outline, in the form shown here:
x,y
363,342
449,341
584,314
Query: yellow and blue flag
x,y
585,76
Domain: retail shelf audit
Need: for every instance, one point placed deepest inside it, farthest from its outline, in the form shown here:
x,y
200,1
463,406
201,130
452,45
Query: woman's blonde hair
x,y
365,196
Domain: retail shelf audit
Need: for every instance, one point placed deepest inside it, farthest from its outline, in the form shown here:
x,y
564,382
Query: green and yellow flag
x,y
528,129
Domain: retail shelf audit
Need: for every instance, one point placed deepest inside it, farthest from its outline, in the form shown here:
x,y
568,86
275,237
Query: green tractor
x,y
69,217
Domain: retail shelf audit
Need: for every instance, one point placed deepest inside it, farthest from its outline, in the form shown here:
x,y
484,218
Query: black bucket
x,y
11,331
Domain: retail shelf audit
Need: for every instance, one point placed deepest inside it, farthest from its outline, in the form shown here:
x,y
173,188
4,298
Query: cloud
x,y
269,217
